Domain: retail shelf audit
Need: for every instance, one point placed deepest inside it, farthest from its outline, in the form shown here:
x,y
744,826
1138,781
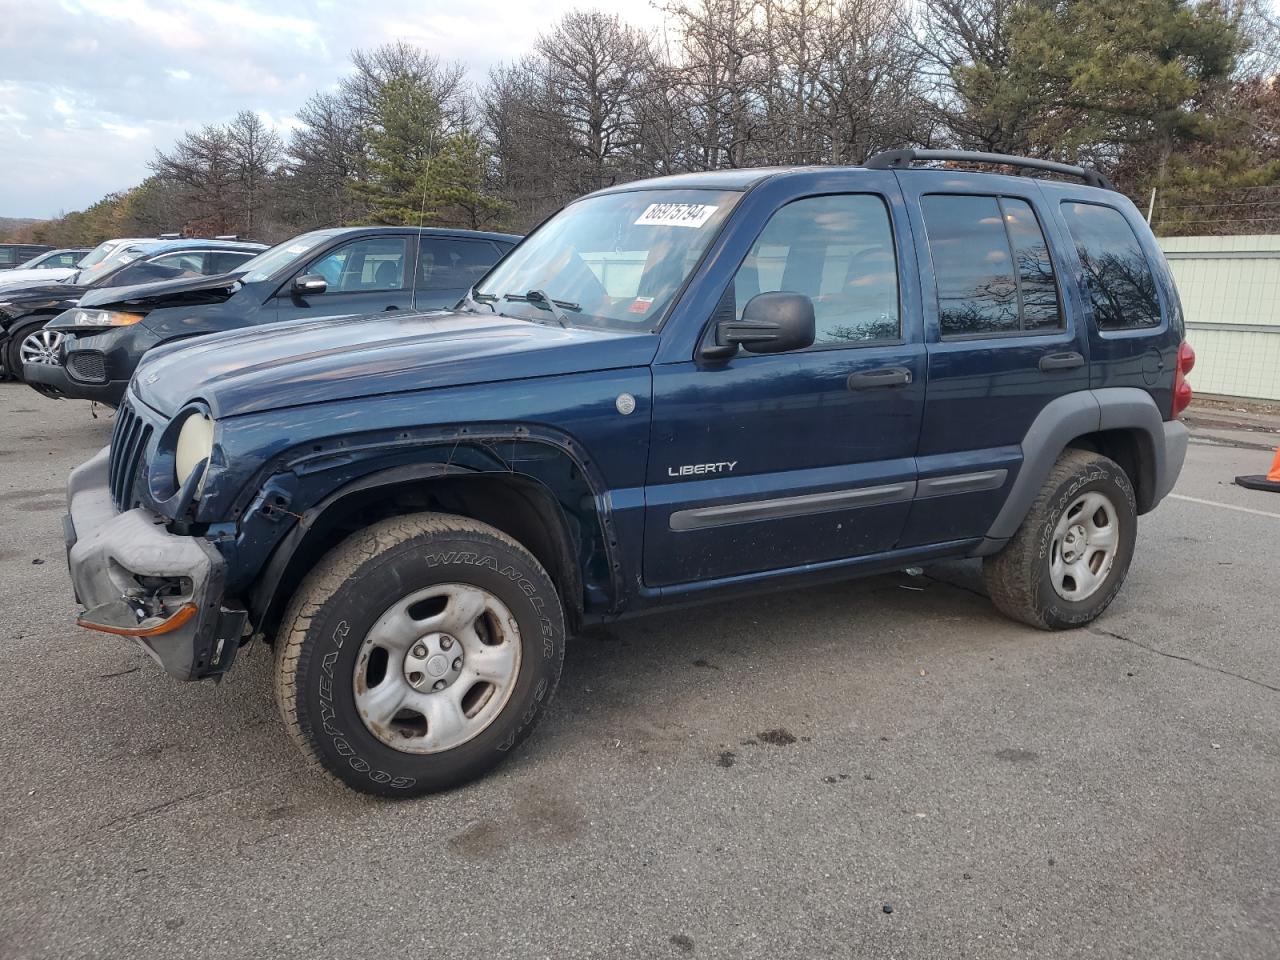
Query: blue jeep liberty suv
x,y
674,390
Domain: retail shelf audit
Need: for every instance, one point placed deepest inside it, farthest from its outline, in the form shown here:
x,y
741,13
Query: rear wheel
x,y
418,653
1069,558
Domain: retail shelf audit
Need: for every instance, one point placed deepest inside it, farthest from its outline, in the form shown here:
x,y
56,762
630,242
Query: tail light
x,y
1182,389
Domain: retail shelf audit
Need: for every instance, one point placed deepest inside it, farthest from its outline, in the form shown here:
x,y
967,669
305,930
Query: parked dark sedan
x,y
357,270
25,310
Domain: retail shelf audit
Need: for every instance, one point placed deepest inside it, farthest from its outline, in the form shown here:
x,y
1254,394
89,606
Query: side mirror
x,y
310,283
771,323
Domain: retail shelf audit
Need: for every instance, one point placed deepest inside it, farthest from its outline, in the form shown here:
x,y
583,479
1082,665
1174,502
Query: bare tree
x,y
595,69
967,45
203,163
256,154
717,79
326,156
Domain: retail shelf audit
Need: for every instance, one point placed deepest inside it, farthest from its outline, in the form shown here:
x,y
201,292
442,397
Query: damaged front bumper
x,y
136,579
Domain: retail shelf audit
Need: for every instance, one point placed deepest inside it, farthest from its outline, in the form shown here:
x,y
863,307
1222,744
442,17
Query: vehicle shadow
x,y
704,676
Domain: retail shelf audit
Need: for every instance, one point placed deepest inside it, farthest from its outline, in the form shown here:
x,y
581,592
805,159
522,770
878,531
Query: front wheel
x,y
1069,558
418,653
31,343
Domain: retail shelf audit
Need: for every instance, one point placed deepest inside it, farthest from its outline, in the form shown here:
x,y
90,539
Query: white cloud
x,y
132,75
124,131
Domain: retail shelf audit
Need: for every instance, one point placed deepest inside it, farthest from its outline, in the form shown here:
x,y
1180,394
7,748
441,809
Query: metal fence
x,y
1230,290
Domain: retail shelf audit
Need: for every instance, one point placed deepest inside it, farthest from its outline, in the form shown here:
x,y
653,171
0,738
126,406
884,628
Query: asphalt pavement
x,y
885,768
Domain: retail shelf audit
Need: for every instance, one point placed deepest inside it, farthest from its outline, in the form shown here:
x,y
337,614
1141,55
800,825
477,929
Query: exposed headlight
x,y
103,318
195,443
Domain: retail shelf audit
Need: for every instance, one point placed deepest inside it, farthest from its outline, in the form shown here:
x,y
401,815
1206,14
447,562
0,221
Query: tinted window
x,y
187,264
1037,286
226,261
364,266
453,264
8,257
838,251
1121,286
170,266
991,266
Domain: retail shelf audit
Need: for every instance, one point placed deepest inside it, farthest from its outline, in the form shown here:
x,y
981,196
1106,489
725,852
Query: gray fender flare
x,y
1074,415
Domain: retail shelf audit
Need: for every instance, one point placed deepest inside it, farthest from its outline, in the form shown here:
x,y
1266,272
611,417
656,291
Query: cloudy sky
x,y
90,88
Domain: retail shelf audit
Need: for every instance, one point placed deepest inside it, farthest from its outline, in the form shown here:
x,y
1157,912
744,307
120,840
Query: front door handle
x,y
883,377
1061,361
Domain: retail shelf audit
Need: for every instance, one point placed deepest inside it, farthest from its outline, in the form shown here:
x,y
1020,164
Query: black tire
x,y
347,592
13,348
1018,578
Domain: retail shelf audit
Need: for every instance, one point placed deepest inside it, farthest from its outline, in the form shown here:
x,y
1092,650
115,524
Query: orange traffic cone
x,y
1270,482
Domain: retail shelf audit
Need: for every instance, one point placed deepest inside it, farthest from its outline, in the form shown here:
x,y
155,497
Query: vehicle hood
x,y
343,358
38,291
29,278
187,291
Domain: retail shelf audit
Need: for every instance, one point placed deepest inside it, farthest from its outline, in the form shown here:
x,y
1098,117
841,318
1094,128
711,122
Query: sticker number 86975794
x,y
676,215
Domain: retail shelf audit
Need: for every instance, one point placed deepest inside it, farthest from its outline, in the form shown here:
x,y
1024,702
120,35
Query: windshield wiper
x,y
540,298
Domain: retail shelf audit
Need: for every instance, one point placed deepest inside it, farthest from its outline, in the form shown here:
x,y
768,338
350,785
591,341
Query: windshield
x,y
268,262
614,261
98,253
122,254
35,262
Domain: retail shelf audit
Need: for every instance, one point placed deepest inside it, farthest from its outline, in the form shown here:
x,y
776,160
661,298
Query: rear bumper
x,y
1176,437
136,579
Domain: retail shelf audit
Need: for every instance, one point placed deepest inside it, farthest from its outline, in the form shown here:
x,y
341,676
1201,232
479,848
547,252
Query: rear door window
x,y
445,264
226,261
1121,286
991,266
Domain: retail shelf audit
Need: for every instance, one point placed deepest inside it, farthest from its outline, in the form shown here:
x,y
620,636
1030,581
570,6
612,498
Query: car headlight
x,y
103,318
195,443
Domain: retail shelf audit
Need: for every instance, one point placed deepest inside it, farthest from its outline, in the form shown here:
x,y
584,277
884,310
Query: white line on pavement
x,y
1225,506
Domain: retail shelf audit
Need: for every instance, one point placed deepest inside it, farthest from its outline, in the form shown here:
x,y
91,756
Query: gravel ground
x,y
885,768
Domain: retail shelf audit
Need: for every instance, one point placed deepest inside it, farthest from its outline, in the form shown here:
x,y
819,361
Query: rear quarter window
x,y
1121,286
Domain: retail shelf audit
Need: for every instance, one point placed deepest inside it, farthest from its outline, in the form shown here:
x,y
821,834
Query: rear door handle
x,y
1061,361
883,377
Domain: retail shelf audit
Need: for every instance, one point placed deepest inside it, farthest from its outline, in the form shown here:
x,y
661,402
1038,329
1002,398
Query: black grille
x,y
128,446
89,366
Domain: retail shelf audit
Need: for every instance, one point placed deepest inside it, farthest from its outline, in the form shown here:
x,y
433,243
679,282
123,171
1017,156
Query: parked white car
x,y
32,276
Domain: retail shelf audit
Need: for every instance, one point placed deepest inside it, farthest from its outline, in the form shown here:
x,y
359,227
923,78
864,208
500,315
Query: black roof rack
x,y
890,159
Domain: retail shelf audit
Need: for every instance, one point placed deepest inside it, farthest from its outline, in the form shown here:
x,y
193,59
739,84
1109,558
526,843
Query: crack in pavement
x,y
1098,631
951,583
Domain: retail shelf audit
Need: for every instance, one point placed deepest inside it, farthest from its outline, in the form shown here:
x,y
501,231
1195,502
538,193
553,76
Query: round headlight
x,y
195,443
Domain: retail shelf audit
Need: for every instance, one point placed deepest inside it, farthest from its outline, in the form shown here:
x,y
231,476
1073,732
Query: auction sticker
x,y
676,215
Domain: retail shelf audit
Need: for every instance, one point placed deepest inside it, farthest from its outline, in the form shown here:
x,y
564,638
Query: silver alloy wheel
x,y
437,668
41,346
1085,542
